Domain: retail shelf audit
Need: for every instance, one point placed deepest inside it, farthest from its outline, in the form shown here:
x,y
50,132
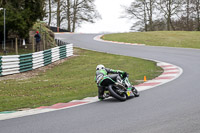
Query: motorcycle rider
x,y
101,71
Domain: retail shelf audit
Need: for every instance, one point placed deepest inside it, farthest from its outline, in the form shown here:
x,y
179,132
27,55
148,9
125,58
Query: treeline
x,y
69,14
152,15
22,14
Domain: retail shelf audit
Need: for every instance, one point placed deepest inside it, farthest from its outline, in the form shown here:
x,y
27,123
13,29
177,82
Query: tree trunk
x,y
68,15
169,16
188,15
74,15
58,13
172,26
49,13
168,23
145,15
198,14
151,15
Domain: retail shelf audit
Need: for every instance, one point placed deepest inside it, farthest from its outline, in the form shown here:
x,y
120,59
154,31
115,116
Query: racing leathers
x,y
100,74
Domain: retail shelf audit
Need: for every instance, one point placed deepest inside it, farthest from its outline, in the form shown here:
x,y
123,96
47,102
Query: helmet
x,y
99,67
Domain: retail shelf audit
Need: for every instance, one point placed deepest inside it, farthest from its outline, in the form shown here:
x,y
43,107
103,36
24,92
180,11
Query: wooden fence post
x,y
44,41
33,44
16,46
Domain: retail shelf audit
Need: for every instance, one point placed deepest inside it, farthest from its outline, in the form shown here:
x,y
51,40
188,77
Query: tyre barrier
x,y
21,63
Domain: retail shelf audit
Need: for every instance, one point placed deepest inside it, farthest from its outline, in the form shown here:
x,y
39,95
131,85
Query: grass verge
x,y
184,39
72,79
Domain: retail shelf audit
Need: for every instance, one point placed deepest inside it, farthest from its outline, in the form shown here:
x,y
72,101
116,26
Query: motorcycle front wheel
x,y
116,93
135,92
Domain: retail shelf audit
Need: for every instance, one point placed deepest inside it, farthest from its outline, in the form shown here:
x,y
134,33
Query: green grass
x,y
12,51
184,39
73,79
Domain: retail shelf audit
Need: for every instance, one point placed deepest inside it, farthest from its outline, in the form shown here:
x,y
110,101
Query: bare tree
x,y
60,9
170,8
69,15
49,3
75,10
58,12
137,11
143,11
197,13
183,21
150,6
173,14
83,11
188,14
72,13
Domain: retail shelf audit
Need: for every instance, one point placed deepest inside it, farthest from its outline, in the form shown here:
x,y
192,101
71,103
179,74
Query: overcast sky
x,y
110,11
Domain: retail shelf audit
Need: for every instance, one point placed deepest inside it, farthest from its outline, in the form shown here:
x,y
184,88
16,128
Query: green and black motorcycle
x,y
119,87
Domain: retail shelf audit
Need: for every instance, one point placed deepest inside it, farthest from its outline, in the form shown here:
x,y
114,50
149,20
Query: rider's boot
x,y
101,93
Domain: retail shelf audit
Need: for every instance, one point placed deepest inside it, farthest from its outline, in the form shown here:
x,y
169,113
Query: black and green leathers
x,y
103,74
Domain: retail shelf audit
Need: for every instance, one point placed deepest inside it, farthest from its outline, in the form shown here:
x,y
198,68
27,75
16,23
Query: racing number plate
x,y
129,93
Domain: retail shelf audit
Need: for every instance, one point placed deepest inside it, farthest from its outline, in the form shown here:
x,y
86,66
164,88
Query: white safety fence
x,y
20,63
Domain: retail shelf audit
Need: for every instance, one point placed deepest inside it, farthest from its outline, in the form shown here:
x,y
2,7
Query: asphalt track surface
x,y
170,108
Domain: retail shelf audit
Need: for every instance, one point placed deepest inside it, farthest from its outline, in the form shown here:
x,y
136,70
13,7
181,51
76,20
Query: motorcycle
x,y
119,87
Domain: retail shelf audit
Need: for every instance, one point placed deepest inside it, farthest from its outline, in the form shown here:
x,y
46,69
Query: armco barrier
x,y
21,63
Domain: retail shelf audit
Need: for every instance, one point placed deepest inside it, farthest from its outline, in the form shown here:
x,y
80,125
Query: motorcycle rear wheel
x,y
113,91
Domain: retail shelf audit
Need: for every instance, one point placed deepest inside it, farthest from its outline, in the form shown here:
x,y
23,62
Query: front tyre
x,y
117,93
135,92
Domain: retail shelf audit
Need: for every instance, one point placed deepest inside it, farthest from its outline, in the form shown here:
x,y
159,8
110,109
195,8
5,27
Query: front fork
x,y
128,84
129,91
128,87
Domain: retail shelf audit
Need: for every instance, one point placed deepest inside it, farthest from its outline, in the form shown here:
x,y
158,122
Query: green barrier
x,y
62,46
46,51
47,57
27,69
62,52
26,62
47,61
25,55
63,55
26,58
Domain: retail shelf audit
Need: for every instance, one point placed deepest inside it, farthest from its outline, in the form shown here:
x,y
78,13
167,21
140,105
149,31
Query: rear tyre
x,y
115,92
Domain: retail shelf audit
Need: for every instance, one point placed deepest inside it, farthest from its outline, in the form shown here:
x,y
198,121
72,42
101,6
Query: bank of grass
x,y
73,79
184,39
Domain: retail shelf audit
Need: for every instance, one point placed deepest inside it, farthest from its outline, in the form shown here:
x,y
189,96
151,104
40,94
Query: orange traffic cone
x,y
145,78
